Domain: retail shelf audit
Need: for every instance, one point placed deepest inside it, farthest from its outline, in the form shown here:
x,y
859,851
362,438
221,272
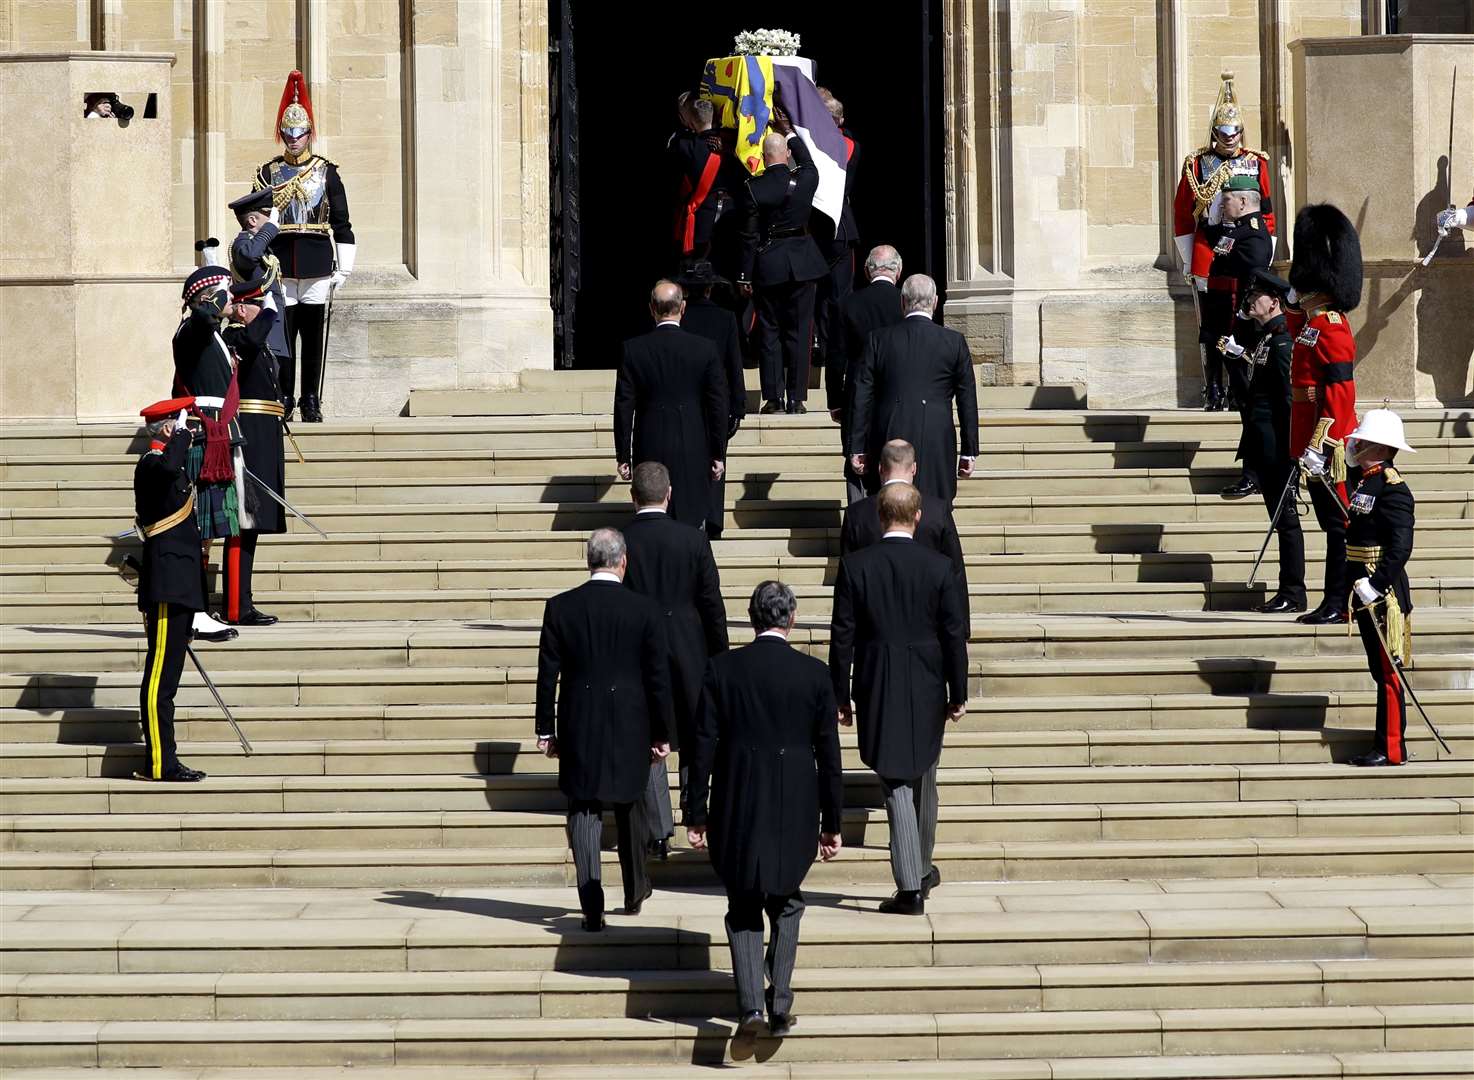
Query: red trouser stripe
x,y
233,579
1392,693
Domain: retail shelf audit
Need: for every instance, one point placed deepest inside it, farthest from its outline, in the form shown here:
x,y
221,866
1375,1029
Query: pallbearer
x,y
170,584
1379,540
315,244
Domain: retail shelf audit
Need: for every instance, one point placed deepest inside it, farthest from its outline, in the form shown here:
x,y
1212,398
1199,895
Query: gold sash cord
x,y
150,531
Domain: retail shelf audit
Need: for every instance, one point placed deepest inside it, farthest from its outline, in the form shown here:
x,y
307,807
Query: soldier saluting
x,y
315,244
1379,540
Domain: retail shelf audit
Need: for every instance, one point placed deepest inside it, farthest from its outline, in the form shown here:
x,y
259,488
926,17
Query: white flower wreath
x,y
766,43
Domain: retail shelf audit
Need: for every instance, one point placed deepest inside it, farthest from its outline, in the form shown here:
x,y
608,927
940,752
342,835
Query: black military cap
x,y
256,200
1266,281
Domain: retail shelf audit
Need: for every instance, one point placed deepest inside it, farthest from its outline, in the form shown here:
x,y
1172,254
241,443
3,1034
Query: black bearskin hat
x,y
1327,256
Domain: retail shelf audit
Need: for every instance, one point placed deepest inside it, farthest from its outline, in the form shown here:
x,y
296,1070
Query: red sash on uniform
x,y
698,196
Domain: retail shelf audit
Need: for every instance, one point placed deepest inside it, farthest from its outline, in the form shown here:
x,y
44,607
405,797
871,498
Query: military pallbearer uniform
x,y
170,586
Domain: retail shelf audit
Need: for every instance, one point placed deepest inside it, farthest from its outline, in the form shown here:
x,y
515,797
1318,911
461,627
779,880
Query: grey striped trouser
x,y
658,818
745,936
585,830
911,809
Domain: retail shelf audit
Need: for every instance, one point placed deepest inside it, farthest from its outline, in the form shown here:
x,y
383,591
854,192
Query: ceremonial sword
x,y
126,533
133,564
1274,518
1402,674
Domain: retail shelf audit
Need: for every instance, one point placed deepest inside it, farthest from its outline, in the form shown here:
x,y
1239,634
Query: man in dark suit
x,y
905,388
781,264
670,406
900,622
862,528
837,242
875,306
606,645
706,318
766,738
672,564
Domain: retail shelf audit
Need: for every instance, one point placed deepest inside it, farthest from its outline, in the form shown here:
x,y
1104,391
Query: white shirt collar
x,y
779,634
902,533
883,277
894,480
668,322
918,314
650,510
605,575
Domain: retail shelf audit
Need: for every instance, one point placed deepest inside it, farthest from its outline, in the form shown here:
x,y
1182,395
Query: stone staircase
x,y
1155,863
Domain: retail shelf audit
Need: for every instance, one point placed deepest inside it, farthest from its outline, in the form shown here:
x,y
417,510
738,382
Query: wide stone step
x,y
1189,539
407,995
519,756
380,830
1308,712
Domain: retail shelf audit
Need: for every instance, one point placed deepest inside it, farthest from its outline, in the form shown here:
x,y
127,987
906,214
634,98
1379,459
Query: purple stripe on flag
x,y
806,108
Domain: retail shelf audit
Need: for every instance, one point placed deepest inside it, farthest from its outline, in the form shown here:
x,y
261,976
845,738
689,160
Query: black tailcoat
x,y
767,737
904,388
776,246
670,406
877,304
171,559
900,622
602,658
672,564
264,450
719,326
937,531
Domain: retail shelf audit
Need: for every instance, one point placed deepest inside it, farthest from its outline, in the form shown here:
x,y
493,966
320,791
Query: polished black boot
x,y
311,410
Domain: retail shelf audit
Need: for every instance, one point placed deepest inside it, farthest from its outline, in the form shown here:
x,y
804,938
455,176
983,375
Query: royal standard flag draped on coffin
x,y
740,89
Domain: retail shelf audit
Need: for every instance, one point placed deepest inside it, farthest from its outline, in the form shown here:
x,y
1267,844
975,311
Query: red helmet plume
x,y
295,111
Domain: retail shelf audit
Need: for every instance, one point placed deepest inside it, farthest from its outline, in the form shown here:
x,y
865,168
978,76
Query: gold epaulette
x,y
1391,475
1257,153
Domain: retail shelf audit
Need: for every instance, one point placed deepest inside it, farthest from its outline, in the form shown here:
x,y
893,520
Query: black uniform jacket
x,y
202,364
877,304
247,259
263,451
309,254
717,325
1381,513
670,406
1239,248
904,388
901,624
937,531
695,168
1266,435
605,645
767,737
672,564
776,245
171,559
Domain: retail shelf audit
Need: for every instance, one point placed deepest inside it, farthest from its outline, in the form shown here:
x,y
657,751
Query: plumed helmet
x,y
294,114
1327,256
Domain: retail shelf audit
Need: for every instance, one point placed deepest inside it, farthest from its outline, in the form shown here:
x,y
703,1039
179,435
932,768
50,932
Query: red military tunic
x,y
1199,201
1321,382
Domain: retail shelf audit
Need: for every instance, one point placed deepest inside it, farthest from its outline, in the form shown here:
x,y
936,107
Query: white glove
x,y
336,281
274,217
1292,297
1365,592
181,421
1200,283
1229,347
1313,461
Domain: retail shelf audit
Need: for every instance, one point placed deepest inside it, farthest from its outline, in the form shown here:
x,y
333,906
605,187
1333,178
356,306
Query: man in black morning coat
x,y
602,659
900,622
861,526
670,406
782,265
706,318
875,306
767,740
907,383
672,564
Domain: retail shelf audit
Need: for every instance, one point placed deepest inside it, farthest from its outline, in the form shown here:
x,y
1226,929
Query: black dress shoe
x,y
780,1024
254,618
1280,605
634,908
230,633
1325,615
930,882
750,1026
797,408
177,773
311,409
1373,759
594,924
660,849
288,404
771,407
905,903
1240,489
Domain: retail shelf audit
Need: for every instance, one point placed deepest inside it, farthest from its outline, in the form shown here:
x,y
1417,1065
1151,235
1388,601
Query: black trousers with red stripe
x,y
235,574
1391,698
785,330
168,628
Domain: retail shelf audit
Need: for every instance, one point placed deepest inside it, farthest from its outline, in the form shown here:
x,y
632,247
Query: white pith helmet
x,y
1383,427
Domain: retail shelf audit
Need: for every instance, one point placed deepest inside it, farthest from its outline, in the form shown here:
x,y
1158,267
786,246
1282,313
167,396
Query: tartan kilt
x,y
216,505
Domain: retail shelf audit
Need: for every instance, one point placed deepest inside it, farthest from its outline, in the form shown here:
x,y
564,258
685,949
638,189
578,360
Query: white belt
x,y
210,402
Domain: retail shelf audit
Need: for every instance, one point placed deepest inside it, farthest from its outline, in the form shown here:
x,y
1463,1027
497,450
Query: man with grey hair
x,y
781,264
767,753
875,306
604,712
905,387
